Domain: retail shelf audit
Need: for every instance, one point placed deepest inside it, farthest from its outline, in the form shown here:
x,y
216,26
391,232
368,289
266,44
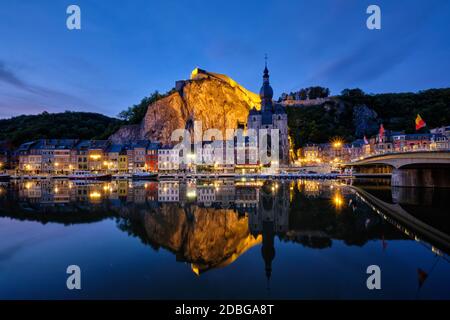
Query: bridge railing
x,y
397,151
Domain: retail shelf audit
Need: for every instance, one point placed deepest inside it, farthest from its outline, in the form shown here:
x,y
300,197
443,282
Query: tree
x,y
136,113
303,94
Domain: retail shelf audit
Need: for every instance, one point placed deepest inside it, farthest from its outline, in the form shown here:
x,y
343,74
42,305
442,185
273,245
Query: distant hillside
x,y
82,125
354,114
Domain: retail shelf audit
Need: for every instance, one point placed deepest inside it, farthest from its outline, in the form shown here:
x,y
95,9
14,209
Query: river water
x,y
220,239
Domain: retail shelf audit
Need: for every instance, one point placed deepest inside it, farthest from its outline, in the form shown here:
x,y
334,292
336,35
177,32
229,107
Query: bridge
x,y
409,169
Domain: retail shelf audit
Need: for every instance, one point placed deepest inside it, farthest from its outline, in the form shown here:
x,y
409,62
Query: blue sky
x,y
128,49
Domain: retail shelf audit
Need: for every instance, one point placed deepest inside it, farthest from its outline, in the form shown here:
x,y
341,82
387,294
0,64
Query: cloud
x,y
376,54
11,78
28,97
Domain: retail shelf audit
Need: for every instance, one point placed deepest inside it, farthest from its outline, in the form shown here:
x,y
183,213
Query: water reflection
x,y
210,224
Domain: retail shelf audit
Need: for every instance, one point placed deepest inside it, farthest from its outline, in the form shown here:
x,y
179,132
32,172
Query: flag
x,y
419,122
421,276
381,133
365,140
384,243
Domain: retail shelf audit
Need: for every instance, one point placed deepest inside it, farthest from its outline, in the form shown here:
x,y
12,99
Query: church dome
x,y
266,91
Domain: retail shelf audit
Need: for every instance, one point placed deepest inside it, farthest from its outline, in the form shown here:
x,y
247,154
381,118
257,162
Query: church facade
x,y
271,116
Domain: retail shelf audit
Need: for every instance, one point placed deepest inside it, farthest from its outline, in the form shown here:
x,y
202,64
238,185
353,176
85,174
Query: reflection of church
x,y
271,217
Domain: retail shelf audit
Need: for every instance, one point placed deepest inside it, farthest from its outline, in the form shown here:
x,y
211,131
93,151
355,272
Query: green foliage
x,y
135,113
315,124
306,93
397,111
70,125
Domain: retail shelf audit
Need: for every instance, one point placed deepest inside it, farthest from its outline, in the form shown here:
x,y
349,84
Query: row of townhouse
x,y
399,141
391,141
62,156
330,153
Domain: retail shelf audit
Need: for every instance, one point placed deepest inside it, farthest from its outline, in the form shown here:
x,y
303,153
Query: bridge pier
x,y
436,177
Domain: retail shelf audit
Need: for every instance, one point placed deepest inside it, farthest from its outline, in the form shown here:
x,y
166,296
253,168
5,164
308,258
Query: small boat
x,y
4,177
122,176
145,176
86,175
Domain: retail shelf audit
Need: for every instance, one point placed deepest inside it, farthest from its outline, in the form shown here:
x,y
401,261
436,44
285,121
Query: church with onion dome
x,y
270,116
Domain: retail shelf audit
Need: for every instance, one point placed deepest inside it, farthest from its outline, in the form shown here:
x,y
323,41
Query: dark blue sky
x,y
127,49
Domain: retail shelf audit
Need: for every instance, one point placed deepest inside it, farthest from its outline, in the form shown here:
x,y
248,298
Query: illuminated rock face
x,y
163,117
216,100
207,238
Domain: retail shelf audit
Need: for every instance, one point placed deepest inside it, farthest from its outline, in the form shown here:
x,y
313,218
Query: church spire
x,y
266,92
266,71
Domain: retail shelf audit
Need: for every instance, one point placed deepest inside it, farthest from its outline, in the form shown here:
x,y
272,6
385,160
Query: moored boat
x,y
86,175
145,176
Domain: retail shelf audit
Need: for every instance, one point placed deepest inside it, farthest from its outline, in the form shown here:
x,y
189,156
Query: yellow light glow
x,y
191,194
337,142
95,195
28,185
95,156
338,200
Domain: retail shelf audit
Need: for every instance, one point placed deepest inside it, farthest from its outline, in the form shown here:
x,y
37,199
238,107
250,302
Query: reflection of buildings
x,y
273,206
169,191
270,217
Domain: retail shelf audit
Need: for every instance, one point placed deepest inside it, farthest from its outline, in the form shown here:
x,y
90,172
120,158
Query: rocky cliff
x,y
215,99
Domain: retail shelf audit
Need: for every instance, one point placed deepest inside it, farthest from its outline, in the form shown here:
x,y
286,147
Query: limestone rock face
x,y
163,117
126,134
216,100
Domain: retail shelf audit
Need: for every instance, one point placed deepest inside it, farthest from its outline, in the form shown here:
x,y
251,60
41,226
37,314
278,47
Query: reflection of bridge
x,y
409,169
408,222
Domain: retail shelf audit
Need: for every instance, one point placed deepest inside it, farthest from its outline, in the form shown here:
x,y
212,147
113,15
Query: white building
x,y
168,159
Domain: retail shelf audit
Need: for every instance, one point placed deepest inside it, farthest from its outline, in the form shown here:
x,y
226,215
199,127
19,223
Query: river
x,y
220,239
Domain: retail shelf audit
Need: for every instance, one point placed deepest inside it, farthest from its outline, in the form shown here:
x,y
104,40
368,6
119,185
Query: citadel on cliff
x,y
218,102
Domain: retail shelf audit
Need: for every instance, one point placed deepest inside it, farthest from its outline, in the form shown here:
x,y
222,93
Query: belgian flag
x,y
419,122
